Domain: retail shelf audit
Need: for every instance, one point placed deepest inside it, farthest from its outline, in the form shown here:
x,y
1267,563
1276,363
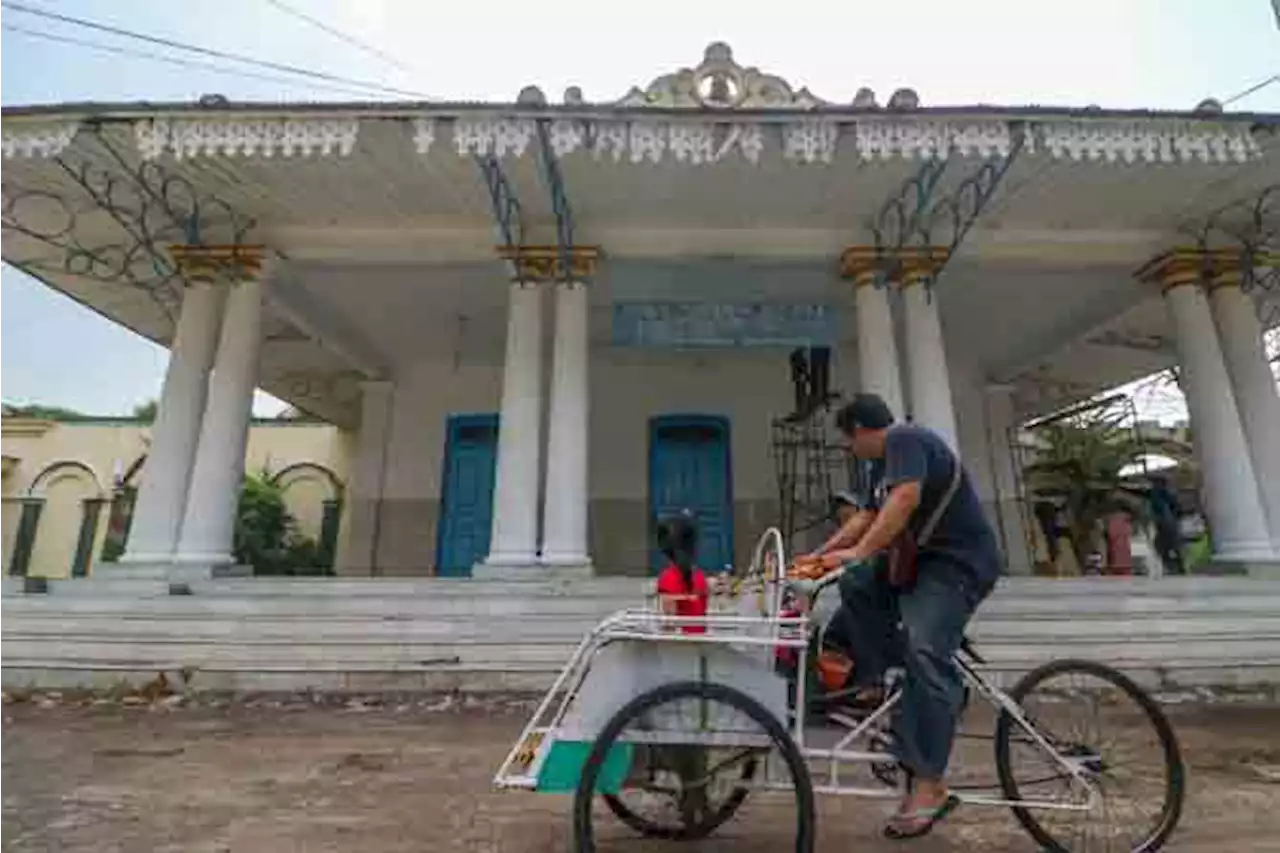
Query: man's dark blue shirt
x,y
963,537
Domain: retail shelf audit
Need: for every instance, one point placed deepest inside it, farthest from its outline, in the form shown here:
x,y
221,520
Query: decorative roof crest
x,y
720,83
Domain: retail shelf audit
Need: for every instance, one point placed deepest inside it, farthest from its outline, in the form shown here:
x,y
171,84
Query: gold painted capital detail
x,y
1211,267
921,264
218,263
546,263
863,264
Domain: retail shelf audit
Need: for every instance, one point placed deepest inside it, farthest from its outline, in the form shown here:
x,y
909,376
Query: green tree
x,y
146,412
1085,465
267,536
43,412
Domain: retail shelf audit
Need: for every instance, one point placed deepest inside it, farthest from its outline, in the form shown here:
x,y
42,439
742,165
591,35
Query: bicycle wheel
x,y
720,719
698,812
1141,753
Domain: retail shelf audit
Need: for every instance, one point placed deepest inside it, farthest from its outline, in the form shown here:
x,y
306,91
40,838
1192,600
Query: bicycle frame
x,y
825,764
521,767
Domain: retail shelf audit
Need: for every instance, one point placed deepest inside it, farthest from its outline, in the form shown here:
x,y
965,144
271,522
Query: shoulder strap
x,y
931,524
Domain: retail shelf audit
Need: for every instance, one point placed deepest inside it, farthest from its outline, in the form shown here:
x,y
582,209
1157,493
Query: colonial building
x,y
69,487
547,323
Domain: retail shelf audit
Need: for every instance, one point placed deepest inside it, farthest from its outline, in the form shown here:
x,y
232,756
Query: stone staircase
x,y
332,634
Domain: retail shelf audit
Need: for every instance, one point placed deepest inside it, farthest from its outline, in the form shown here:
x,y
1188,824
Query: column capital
x,y
1210,267
546,263
219,262
861,264
920,264
865,264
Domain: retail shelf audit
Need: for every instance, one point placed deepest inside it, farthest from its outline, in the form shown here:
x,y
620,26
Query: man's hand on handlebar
x,y
807,567
816,567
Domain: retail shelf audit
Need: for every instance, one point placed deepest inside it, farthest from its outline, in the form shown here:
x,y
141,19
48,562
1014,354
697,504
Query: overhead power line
x,y
338,34
173,60
206,51
1256,87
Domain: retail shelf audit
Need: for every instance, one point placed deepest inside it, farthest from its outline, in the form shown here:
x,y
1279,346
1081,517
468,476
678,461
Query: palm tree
x,y
1089,466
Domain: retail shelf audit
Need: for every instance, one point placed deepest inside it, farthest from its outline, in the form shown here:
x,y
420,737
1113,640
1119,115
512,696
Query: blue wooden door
x,y
466,500
689,468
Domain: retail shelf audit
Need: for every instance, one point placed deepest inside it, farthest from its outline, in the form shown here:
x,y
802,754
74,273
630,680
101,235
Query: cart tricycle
x,y
675,725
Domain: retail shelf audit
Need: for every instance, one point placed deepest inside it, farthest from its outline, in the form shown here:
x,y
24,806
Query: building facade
x,y
69,488
680,283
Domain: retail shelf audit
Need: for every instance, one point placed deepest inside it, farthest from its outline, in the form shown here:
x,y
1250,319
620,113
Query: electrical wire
x,y
338,34
206,51
173,60
1256,87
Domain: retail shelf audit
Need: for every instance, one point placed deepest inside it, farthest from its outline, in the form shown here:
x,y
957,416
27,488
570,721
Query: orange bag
x,y
834,669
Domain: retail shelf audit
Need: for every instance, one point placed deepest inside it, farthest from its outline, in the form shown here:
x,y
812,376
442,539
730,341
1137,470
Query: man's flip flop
x,y
914,824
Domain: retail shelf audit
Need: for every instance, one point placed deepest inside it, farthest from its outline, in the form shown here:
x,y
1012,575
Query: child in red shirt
x,y
682,586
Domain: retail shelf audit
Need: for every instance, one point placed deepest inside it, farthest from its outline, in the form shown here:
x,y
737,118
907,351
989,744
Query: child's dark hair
x,y
678,541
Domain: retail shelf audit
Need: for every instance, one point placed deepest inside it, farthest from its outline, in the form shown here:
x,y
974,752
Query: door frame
x,y
720,422
453,425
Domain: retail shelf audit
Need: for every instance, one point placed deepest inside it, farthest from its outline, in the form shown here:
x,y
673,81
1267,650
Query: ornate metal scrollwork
x,y
149,207
899,217
914,218
559,196
1251,228
507,212
949,218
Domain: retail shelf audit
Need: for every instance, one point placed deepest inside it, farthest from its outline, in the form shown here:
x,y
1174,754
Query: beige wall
x,y
628,387
106,450
750,387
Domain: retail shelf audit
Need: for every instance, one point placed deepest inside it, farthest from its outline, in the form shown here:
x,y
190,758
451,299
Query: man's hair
x,y
842,499
868,411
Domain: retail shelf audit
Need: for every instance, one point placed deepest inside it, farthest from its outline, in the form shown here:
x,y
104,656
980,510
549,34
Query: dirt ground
x,y
377,776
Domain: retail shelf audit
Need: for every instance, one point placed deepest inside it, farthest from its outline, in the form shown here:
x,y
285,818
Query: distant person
x,y
1165,514
1047,517
1119,543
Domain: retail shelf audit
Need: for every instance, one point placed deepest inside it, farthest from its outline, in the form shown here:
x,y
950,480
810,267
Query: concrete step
x,y
372,634
319,607
1098,588
987,627
1003,604
103,584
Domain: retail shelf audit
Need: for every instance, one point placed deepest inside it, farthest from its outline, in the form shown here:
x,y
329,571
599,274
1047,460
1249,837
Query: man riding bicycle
x,y
920,493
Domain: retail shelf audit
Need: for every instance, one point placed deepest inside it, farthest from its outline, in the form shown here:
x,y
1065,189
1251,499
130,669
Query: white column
x,y
209,523
163,494
877,349
564,542
514,541
927,374
1001,418
1232,502
1254,387
364,493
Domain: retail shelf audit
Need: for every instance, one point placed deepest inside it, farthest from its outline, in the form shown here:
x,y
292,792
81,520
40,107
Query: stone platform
x,y
342,634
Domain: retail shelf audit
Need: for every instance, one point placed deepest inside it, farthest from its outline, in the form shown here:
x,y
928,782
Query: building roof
x,y
714,165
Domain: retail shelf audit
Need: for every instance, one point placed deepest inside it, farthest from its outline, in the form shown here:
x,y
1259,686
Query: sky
x,y
1115,53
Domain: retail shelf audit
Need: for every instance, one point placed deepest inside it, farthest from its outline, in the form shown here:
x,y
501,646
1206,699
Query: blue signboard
x,y
703,324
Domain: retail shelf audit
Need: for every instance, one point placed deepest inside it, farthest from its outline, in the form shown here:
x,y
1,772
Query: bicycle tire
x,y
653,829
1175,771
806,818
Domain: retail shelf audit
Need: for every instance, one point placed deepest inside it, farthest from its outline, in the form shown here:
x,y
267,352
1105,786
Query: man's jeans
x,y
932,619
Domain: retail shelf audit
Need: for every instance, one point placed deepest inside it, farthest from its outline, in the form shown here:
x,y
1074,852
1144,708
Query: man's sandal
x,y
920,822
